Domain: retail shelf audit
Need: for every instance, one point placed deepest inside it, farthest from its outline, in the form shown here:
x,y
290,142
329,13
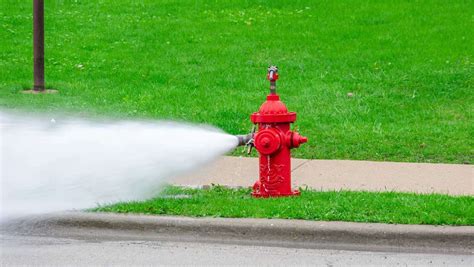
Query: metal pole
x,y
38,44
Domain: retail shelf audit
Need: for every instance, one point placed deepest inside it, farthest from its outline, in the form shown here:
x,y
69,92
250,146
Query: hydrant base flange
x,y
266,195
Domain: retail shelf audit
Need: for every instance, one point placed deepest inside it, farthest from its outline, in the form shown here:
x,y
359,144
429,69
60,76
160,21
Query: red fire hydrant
x,y
273,141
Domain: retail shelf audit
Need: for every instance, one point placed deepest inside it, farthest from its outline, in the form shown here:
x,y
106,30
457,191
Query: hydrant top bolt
x,y
272,76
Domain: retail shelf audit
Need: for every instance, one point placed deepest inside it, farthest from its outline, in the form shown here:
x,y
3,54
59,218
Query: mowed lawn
x,y
383,207
408,65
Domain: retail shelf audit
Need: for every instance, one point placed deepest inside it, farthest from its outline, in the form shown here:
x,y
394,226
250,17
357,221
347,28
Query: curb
x,y
272,232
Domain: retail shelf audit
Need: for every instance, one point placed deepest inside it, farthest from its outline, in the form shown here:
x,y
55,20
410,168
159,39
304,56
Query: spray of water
x,y
51,165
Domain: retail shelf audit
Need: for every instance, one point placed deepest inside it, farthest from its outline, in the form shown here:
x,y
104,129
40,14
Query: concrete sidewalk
x,y
453,179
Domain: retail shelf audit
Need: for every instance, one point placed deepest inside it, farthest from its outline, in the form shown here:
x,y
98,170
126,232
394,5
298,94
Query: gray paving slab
x,y
453,179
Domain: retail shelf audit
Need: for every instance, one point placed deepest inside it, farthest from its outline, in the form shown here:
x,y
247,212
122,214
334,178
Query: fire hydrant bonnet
x,y
273,110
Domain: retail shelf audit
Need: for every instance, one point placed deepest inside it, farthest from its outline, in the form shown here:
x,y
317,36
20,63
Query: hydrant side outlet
x,y
274,140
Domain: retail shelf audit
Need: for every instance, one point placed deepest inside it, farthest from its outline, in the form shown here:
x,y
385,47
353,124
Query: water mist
x,y
49,165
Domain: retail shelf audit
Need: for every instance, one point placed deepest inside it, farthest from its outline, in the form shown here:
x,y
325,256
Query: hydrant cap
x,y
295,139
267,141
273,105
273,110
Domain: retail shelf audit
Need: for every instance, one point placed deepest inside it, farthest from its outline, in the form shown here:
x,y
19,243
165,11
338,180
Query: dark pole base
x,y
38,88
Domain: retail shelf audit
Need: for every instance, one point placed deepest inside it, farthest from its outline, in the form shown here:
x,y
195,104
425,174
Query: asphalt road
x,y
48,250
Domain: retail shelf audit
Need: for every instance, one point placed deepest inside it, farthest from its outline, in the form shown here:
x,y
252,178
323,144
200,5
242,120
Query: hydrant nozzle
x,y
245,139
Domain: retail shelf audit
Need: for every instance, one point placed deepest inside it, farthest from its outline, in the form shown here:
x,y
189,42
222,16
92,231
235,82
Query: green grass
x,y
388,207
409,65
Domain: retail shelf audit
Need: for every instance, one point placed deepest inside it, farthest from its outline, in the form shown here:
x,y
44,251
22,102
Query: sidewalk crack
x,y
299,166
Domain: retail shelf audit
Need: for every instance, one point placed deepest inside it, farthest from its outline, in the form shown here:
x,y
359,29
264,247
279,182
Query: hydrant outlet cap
x,y
296,139
267,141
